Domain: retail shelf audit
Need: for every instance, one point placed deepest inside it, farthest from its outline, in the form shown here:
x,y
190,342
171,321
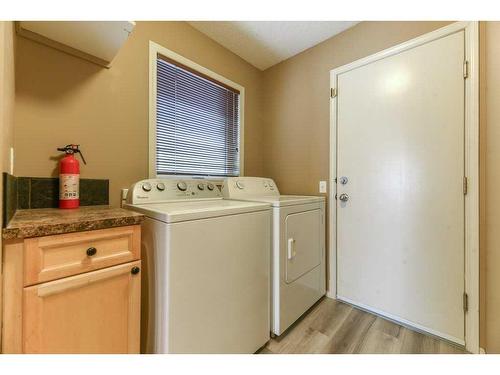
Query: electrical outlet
x,y
124,196
322,186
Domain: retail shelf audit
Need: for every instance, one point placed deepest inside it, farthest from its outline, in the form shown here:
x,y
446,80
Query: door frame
x,y
471,282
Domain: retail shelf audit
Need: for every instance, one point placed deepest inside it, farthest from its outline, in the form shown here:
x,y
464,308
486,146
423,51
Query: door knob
x,y
344,197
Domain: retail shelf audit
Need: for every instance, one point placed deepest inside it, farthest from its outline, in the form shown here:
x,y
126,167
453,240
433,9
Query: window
x,y
197,116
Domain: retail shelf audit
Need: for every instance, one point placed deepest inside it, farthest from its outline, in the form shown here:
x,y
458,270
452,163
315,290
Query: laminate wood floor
x,y
335,327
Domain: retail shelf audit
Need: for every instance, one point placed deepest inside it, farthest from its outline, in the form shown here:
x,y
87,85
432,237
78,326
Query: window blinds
x,y
197,123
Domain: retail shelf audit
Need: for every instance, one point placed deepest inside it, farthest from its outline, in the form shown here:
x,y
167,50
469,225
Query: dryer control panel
x,y
165,189
241,187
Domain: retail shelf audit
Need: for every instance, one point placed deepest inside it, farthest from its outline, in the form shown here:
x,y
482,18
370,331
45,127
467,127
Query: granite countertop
x,y
48,221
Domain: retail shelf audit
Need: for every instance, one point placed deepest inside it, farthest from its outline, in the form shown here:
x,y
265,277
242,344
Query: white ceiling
x,y
266,43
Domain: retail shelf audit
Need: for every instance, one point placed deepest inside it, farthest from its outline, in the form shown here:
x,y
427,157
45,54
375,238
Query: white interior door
x,y
400,143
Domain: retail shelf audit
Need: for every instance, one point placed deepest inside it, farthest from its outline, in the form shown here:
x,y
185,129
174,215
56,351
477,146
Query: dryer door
x,y
302,243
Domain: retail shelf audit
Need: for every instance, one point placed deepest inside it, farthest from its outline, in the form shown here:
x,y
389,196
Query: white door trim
x,y
471,30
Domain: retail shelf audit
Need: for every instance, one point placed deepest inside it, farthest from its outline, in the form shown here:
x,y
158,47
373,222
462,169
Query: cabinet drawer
x,y
53,257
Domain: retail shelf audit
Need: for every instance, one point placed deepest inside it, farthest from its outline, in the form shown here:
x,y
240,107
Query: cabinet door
x,y
95,312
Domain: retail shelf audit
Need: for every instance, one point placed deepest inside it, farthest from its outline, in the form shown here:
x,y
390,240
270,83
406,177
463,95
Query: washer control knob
x,y
160,186
201,186
182,186
146,186
240,185
210,186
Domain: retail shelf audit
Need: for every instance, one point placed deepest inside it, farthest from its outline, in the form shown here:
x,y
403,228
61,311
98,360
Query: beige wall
x,y
61,99
491,164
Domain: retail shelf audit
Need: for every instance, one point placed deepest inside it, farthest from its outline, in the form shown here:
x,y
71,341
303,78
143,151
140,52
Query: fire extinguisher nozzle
x,y
72,149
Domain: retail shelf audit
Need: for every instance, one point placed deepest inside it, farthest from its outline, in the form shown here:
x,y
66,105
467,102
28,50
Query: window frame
x,y
154,50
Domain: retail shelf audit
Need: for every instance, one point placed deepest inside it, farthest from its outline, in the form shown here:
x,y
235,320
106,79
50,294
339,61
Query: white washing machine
x,y
206,268
298,247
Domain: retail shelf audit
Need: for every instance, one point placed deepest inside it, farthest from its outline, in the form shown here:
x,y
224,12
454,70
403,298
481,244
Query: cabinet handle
x,y
80,281
135,270
91,251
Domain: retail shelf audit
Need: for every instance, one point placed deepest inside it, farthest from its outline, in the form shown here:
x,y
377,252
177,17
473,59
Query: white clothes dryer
x,y
298,247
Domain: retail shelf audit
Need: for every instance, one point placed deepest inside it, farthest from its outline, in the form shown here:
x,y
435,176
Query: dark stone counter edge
x,y
70,227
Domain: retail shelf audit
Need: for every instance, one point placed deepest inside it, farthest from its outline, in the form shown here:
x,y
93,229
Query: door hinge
x,y
333,93
466,302
466,69
465,185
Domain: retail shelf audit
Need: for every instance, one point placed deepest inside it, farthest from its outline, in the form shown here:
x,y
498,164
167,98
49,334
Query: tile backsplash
x,y
43,192
9,198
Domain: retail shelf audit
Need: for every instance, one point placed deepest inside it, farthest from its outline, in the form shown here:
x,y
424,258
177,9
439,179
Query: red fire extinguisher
x,y
69,177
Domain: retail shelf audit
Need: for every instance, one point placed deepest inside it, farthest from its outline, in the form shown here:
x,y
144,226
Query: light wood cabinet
x,y
77,311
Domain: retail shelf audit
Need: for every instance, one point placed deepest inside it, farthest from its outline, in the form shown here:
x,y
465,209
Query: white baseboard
x,y
330,295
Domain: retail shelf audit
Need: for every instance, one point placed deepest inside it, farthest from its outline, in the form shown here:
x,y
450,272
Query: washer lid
x,y
173,212
286,200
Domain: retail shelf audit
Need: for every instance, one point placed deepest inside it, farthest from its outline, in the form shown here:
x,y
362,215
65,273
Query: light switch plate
x,y
322,186
11,164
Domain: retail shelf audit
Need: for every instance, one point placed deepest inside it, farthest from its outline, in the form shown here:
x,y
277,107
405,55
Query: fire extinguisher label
x,y
69,186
